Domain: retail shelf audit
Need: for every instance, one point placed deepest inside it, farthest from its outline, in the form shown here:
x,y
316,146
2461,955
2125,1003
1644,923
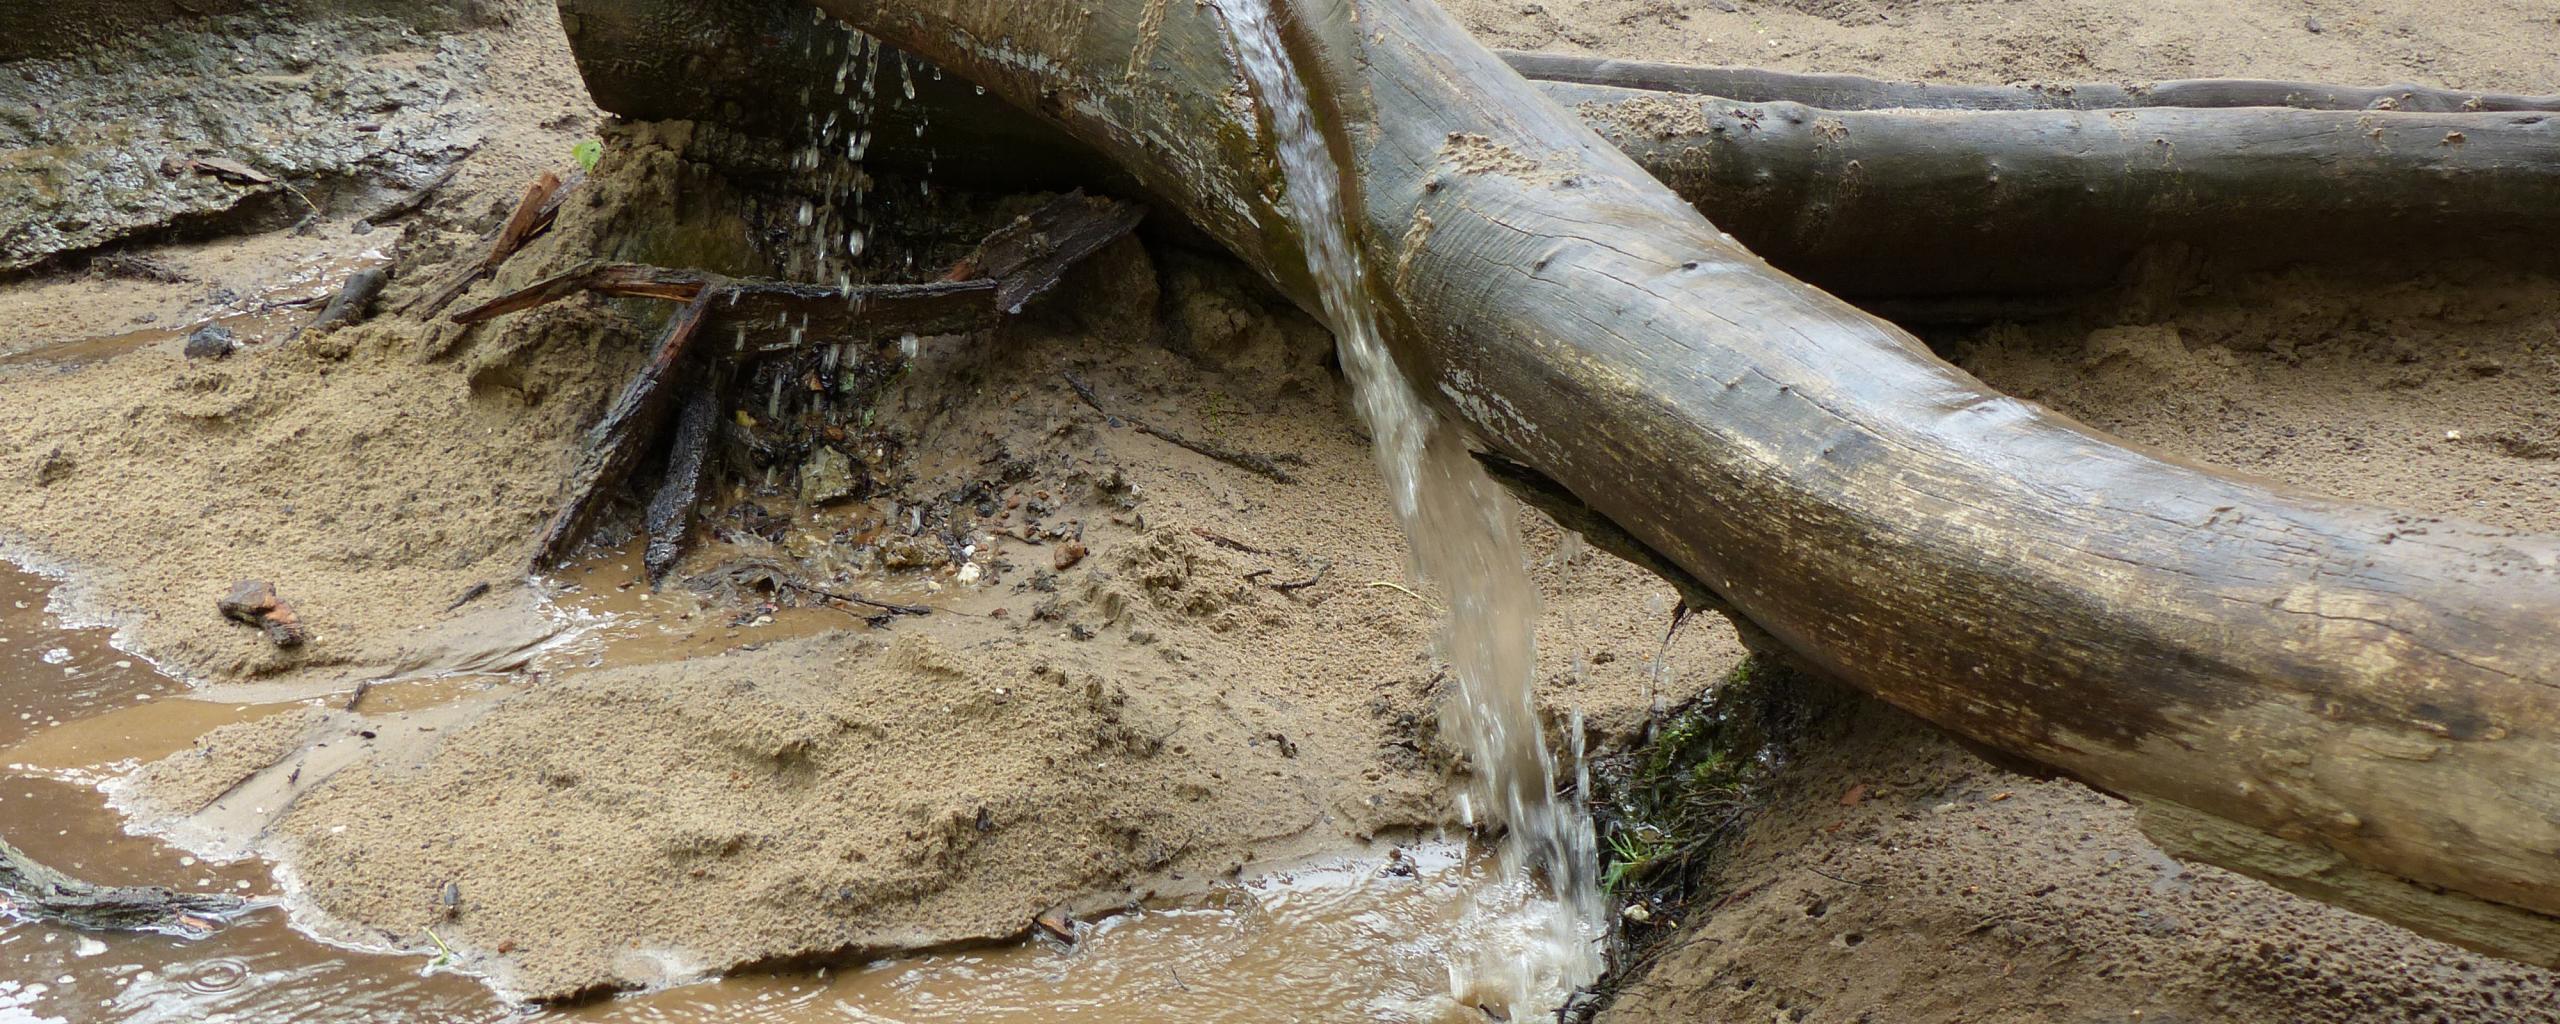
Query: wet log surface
x,y
1880,205
34,890
2378,687
1852,92
1892,203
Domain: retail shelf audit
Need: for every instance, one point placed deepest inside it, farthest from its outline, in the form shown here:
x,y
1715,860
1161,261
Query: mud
x,y
808,787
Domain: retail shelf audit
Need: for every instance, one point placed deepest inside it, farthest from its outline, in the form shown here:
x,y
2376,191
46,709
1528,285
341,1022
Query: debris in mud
x,y
772,577
255,602
534,214
1059,924
475,592
354,300
211,341
131,267
54,468
1261,465
1005,270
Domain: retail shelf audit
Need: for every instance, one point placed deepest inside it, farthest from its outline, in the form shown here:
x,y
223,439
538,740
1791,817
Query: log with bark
x,y
34,890
1877,205
1852,92
2370,698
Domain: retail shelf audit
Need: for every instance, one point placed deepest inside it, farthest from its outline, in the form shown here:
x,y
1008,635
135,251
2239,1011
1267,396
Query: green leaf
x,y
587,153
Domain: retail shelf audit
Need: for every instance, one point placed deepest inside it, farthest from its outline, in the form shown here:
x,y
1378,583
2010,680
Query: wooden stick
x,y
615,442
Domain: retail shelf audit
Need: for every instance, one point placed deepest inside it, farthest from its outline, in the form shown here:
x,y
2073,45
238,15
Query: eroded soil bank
x,y
1117,700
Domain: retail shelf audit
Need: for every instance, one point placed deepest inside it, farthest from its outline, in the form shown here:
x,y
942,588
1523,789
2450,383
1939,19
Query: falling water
x,y
1464,534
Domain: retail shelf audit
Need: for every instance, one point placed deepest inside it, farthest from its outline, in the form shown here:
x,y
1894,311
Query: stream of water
x,y
1464,534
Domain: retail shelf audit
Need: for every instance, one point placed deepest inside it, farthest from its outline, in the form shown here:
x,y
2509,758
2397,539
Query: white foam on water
x,y
1463,532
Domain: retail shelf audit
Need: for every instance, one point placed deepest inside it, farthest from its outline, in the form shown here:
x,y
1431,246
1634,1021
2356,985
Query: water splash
x,y
1463,533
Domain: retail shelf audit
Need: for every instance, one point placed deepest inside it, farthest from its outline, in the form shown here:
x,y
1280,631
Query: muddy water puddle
x,y
275,314
1365,938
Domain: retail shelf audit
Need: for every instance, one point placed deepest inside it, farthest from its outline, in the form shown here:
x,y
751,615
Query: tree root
x,y
1012,265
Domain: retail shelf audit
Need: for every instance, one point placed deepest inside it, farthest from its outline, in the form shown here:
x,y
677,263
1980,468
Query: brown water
x,y
1464,535
1361,937
81,712
274,315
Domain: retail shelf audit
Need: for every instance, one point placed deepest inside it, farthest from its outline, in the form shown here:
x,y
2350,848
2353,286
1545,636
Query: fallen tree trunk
x,y
1894,203
2374,691
1852,92
1877,205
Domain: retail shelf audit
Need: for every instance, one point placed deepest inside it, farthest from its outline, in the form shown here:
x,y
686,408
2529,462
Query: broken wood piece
x,y
618,279
769,315
354,300
1853,92
229,170
669,518
532,216
1030,254
255,602
33,890
616,441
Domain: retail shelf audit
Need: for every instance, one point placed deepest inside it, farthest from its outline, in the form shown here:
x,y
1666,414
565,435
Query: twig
x,y
1321,566
533,215
852,598
1264,465
473,593
1227,542
1391,585
1836,878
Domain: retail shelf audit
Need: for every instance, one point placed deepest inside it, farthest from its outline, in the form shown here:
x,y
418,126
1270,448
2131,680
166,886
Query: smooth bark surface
x,y
2374,685
1851,92
1878,205
1892,203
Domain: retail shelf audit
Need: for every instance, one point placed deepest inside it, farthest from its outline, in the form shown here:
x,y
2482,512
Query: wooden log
x,y
1881,205
1886,204
670,514
1852,92
2378,686
31,889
